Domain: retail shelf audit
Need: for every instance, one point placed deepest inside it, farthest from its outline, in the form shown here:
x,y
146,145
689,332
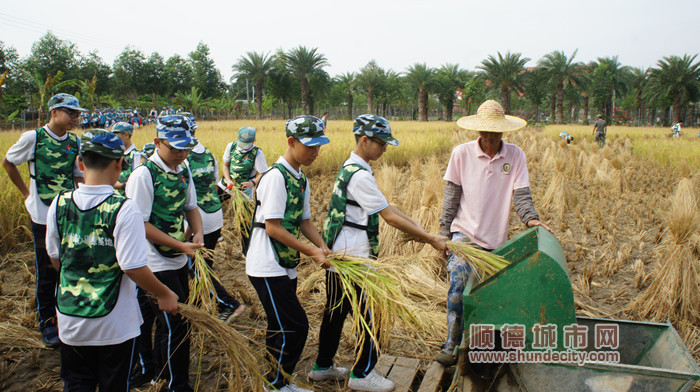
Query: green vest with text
x,y
53,164
336,218
168,210
202,167
242,164
293,212
89,274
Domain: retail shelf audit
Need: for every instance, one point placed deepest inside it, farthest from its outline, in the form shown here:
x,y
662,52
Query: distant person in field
x,y
600,129
325,120
51,153
565,135
97,327
676,129
243,164
352,227
484,177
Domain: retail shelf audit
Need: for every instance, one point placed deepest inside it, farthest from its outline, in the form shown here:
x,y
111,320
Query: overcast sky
x,y
351,33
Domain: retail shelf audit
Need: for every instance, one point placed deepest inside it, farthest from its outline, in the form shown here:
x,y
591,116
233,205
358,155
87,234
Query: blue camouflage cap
x,y
123,127
176,129
374,126
246,137
102,142
64,100
308,130
190,117
148,149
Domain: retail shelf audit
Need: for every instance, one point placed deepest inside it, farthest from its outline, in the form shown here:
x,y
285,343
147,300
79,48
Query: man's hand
x,y
318,255
535,222
248,184
168,302
188,248
438,242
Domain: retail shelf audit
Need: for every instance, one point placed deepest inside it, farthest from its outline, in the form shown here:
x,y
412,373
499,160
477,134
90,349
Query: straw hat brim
x,y
506,124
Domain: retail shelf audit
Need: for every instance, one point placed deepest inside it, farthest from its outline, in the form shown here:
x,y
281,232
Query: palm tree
x,y
348,82
637,83
449,79
536,87
390,89
370,81
254,66
303,62
505,74
675,78
421,78
561,70
615,80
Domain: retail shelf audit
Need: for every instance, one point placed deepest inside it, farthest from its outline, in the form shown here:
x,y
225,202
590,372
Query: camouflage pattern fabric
x,y
202,168
103,142
53,164
168,211
129,164
336,212
307,129
296,191
148,149
374,126
242,164
89,275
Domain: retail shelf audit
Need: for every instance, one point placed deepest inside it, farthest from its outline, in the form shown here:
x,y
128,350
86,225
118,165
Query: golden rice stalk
x,y
484,263
242,209
15,336
244,361
382,297
202,292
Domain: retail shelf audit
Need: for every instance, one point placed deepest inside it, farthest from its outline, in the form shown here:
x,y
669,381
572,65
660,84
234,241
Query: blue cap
x,y
307,129
176,129
246,138
123,127
103,142
374,126
65,101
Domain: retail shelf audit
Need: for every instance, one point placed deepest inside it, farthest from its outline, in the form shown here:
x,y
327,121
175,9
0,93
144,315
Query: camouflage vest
x,y
296,191
53,164
124,175
202,167
89,275
242,164
168,210
336,212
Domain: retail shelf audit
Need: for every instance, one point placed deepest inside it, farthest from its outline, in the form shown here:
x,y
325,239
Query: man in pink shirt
x,y
484,177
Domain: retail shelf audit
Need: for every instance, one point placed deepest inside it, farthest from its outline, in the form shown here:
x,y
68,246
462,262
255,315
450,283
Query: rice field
x,y
627,216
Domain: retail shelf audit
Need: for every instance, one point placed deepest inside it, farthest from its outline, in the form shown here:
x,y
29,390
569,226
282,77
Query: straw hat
x,y
491,118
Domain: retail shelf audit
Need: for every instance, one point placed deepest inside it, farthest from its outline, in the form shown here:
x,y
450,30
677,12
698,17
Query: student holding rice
x,y
283,211
483,177
352,226
243,163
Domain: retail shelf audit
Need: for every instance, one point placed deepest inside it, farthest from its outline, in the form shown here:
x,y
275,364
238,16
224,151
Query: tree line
x,y
559,89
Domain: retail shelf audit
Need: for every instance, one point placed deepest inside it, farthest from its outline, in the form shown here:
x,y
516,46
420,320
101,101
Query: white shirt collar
x,y
199,148
354,158
95,189
158,161
53,135
296,174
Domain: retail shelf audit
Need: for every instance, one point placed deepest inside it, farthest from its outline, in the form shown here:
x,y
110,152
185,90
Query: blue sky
x,y
395,34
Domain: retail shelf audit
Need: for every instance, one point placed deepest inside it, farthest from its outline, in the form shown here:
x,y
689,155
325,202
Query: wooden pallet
x,y
403,371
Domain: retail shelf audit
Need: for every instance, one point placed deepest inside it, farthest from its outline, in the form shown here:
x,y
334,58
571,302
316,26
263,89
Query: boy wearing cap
x,y
352,226
165,194
243,163
282,212
132,156
484,177
50,152
96,240
205,174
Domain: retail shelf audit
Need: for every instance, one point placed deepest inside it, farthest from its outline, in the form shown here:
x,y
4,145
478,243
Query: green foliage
x,y
505,74
206,76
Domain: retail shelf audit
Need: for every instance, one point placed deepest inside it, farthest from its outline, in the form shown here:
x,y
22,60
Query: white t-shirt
x,y
261,260
259,166
487,190
137,157
363,189
124,321
211,222
23,151
140,189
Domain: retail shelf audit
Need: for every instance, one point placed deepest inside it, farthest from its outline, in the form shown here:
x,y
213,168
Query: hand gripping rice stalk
x,y
242,208
484,263
202,292
382,297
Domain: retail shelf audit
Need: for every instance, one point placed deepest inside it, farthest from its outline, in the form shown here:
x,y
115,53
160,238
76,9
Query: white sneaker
x,y
332,373
291,387
372,383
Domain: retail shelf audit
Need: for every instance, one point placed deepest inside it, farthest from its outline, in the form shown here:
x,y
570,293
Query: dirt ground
x,y
609,224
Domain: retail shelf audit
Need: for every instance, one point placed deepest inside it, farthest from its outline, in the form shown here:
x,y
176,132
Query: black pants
x,y
46,277
287,325
143,355
223,297
171,346
337,309
84,368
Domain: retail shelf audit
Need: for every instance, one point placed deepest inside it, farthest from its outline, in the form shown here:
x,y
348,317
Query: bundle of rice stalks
x,y
202,292
381,297
482,262
242,208
245,363
15,336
